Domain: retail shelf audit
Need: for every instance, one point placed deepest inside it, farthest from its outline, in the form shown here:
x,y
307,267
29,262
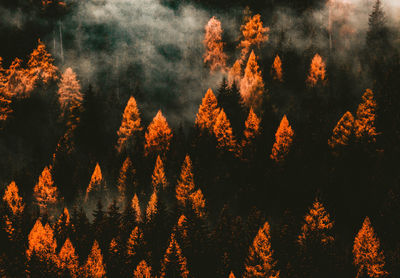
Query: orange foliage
x,y
41,242
173,255
5,99
64,221
198,202
276,70
136,209
235,74
224,134
135,240
208,112
152,209
158,136
317,225
231,275
260,262
94,267
214,56
95,181
185,186
122,179
68,260
253,33
13,200
69,91
158,179
252,128
18,83
317,71
130,124
365,130
142,270
342,132
283,141
182,227
368,256
45,192
252,85
40,65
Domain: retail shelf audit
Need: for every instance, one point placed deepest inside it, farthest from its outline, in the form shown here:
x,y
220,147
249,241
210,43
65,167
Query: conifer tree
x,y
317,74
224,134
96,183
208,112
5,99
235,74
13,212
252,128
276,70
158,136
152,207
94,267
253,33
174,263
158,179
368,256
68,260
41,242
135,247
69,91
260,261
185,186
377,34
142,270
214,56
252,85
63,226
126,177
364,126
283,141
17,81
198,203
343,132
12,199
45,192
136,209
231,275
130,125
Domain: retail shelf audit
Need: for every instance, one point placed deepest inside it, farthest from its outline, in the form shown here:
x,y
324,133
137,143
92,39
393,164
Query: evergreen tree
x,y
94,267
317,74
174,263
142,270
343,132
158,179
45,192
158,136
68,260
208,112
185,186
365,130
224,134
283,141
214,56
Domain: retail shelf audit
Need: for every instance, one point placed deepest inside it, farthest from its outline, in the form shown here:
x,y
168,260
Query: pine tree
x,y
136,209
135,247
17,81
158,136
198,203
224,134
368,256
130,125
276,70
377,34
231,275
343,132
12,199
142,270
214,56
185,186
174,263
96,183
260,262
253,33
13,212
235,74
152,207
158,179
94,267
68,260
252,85
5,99
317,73
283,141
252,128
69,91
44,191
126,177
63,226
208,112
364,126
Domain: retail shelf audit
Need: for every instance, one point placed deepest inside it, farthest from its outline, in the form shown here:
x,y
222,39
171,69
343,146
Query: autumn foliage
x,y
158,136
41,243
96,181
343,131
224,133
94,267
214,56
317,74
158,179
45,191
208,112
174,263
142,270
276,70
235,74
130,125
253,33
283,141
365,130
12,199
68,260
252,84
185,186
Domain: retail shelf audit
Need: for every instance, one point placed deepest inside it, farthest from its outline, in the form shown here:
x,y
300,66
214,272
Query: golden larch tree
x,y
130,125
252,84
68,260
253,33
152,207
283,141
45,192
252,128
63,224
125,172
143,270
260,261
235,74
364,126
158,136
134,242
136,208
182,227
41,243
13,200
5,98
368,256
208,112
40,65
18,82
96,181
342,132
69,91
231,275
224,133
94,267
174,263
276,70
214,56
198,203
185,186
158,179
317,74
317,226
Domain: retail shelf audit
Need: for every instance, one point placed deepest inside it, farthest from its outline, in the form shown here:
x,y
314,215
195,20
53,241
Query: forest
x,y
200,138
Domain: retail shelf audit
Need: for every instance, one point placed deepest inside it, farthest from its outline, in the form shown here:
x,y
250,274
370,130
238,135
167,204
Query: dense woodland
x,y
289,168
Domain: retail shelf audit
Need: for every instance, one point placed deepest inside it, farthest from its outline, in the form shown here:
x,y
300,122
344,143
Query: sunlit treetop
x,y
64,219
231,275
40,65
134,242
69,91
158,136
174,259
18,82
214,57
276,70
208,112
252,127
12,199
317,73
235,74
252,84
185,185
95,181
365,130
152,207
368,256
223,133
143,270
158,179
136,208
95,266
130,125
44,191
41,242
283,141
253,33
125,171
342,132
68,260
198,203
182,227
